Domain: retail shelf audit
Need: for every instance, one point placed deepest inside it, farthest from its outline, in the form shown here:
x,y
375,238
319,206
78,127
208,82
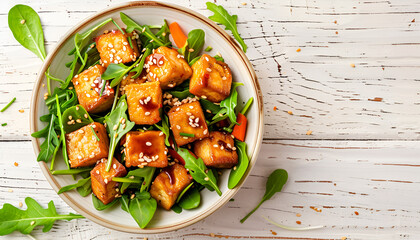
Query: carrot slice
x,y
239,131
177,34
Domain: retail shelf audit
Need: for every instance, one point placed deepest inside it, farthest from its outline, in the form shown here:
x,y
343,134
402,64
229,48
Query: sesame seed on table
x,y
340,110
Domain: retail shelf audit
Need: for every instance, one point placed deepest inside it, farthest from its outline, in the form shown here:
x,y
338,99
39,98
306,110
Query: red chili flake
x,y
272,232
299,222
357,213
316,209
414,20
376,99
275,108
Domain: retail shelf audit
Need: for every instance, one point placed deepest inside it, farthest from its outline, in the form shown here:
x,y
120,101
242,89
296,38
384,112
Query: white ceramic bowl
x,y
153,13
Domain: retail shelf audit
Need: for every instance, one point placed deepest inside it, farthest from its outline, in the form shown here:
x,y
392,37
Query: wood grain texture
x,y
362,155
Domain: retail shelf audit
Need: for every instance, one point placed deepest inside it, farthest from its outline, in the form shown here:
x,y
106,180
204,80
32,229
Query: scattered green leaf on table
x,y
237,173
275,183
14,219
113,120
199,171
229,21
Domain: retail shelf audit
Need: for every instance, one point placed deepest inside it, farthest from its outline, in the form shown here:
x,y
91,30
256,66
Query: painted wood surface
x,y
360,165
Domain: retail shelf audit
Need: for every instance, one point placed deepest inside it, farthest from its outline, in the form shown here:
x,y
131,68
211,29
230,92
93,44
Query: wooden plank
x,y
325,94
377,179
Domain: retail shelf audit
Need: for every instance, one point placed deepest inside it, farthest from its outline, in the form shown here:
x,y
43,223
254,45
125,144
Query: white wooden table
x,y
361,164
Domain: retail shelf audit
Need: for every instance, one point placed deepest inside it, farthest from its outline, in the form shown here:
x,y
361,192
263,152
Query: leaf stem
x,y
250,213
8,105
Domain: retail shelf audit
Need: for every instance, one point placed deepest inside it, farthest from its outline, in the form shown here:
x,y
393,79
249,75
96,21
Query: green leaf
x,y
132,25
199,171
76,112
229,21
85,189
195,41
139,67
230,103
63,133
71,171
80,183
142,209
206,104
183,192
145,173
100,206
50,143
191,199
176,208
14,219
125,201
26,27
164,128
275,183
116,72
113,120
239,170
219,58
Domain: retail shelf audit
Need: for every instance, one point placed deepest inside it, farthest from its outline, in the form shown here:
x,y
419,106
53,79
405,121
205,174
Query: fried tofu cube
x,y
144,101
128,80
169,184
168,67
114,47
88,85
188,119
145,149
218,150
102,185
83,148
211,79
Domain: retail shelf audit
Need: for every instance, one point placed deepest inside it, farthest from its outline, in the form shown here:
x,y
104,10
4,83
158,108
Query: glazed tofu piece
x,y
83,148
102,185
188,119
168,67
144,101
88,85
218,150
128,80
211,79
169,184
145,149
114,47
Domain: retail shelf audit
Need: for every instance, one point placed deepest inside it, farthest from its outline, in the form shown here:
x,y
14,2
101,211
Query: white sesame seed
x,y
161,133
85,78
106,181
191,50
178,127
205,131
204,97
191,107
207,59
206,178
88,95
110,45
32,223
160,62
79,157
86,116
113,51
147,113
148,144
97,171
125,43
215,145
234,168
124,48
234,148
116,61
81,131
208,69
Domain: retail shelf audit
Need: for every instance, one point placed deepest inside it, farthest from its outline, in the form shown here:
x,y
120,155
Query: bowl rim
x,y
91,215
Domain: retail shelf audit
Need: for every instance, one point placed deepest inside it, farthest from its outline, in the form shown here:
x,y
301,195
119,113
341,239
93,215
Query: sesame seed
x,y
22,21
224,78
88,95
70,117
32,223
21,111
207,59
113,51
79,157
125,43
243,3
147,113
205,131
352,65
77,108
234,168
204,97
161,134
20,204
208,69
178,127
85,78
106,181
234,148
215,145
191,50
115,127
191,107
206,178
94,126
124,48
110,45
148,144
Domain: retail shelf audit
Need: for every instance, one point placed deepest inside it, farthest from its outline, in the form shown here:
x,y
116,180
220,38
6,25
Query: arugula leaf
x,y
50,143
26,27
229,21
142,208
113,119
275,183
164,128
143,30
71,171
80,183
63,133
195,41
100,206
239,170
14,219
116,72
199,171
75,113
219,58
139,67
176,208
209,105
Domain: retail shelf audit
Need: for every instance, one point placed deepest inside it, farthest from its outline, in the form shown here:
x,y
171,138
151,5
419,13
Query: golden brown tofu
x,y
88,86
102,185
83,148
188,119
144,101
218,150
113,47
211,79
128,80
168,67
145,149
169,184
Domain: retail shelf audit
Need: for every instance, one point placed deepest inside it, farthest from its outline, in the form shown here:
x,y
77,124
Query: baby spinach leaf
x,y
183,192
176,208
164,128
85,189
199,171
14,219
194,60
181,94
125,201
142,208
115,120
80,183
100,206
63,133
191,199
239,170
209,106
26,27
229,21
194,45
275,183
75,113
229,104
145,173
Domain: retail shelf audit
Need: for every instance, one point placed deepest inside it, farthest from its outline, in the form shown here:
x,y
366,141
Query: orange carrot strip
x,y
177,34
239,131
